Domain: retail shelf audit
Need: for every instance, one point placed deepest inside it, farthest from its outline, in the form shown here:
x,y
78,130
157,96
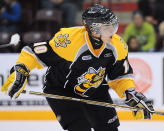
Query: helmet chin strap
x,y
96,42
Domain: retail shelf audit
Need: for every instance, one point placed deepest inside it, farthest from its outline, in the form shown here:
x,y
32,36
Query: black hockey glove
x,y
16,82
136,99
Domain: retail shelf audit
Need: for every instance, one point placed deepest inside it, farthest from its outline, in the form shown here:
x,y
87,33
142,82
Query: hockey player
x,y
81,62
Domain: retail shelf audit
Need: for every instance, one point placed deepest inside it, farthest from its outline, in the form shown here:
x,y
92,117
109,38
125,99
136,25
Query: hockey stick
x,y
87,101
15,39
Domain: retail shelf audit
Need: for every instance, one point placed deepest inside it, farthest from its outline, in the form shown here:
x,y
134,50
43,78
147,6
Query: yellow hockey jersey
x,y
75,66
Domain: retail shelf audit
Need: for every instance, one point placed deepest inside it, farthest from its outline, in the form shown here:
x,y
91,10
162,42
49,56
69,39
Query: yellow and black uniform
x,y
76,69
75,65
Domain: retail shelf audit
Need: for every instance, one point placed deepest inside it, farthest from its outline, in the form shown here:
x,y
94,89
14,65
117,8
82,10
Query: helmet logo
x,y
96,24
92,11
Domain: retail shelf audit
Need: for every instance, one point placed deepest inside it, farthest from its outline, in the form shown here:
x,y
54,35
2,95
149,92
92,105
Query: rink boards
x,y
48,115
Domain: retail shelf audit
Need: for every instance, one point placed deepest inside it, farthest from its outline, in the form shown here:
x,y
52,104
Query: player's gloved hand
x,y
136,99
16,82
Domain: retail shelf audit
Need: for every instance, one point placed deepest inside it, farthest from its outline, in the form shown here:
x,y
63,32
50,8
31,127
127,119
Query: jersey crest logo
x,y
91,79
62,40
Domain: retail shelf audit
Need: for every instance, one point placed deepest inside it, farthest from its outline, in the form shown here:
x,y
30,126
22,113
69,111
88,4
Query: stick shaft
x,y
86,101
80,100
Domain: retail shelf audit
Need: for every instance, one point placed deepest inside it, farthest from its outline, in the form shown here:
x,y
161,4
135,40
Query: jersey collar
x,y
95,52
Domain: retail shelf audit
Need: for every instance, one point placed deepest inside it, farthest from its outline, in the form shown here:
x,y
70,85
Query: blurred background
x,y
141,21
141,24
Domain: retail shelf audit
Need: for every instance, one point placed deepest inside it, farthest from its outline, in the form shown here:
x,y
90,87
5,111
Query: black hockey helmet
x,y
96,16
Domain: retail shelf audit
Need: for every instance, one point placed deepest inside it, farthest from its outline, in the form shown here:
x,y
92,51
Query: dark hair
x,y
129,45
132,37
137,12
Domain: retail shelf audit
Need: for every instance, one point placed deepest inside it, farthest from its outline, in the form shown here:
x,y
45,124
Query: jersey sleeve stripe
x,y
127,76
40,43
111,47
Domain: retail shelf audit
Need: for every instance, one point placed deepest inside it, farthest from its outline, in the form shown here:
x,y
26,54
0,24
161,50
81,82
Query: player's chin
x,y
96,35
106,39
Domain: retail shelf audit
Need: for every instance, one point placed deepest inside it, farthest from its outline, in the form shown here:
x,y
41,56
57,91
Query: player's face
x,y
104,30
138,20
133,44
94,34
107,30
